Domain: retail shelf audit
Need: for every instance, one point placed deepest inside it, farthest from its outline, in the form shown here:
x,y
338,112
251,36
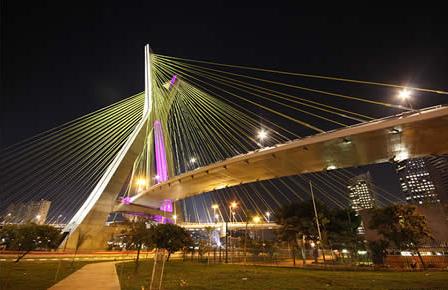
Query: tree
x,y
170,237
402,226
298,220
29,237
137,235
342,230
378,249
209,230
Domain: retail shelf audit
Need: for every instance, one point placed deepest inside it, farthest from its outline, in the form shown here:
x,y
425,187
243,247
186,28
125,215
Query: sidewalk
x,y
95,276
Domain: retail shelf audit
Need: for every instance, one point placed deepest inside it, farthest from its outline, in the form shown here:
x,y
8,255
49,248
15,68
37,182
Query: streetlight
x,y
256,220
141,183
262,134
405,95
268,215
8,218
215,207
233,205
175,218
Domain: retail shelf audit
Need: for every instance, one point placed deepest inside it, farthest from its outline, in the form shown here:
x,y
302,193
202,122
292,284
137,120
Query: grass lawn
x,y
180,275
34,275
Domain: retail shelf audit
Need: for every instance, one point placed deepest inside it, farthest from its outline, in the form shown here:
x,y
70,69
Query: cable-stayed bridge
x,y
194,130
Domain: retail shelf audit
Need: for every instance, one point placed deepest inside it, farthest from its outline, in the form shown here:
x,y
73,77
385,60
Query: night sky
x,y
61,60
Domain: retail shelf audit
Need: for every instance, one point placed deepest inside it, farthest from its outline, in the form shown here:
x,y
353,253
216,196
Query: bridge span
x,y
407,135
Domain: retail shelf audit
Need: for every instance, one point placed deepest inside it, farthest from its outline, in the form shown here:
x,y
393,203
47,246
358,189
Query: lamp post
x,y
245,241
256,220
227,243
233,205
7,218
317,221
215,207
175,219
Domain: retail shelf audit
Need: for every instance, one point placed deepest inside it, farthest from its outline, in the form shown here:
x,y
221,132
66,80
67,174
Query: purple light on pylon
x,y
126,200
167,205
173,80
161,165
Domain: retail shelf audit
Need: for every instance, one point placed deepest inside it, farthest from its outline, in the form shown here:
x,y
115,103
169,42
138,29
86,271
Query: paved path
x,y
95,276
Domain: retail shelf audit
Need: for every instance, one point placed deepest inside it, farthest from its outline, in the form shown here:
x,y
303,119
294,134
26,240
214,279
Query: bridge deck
x,y
414,134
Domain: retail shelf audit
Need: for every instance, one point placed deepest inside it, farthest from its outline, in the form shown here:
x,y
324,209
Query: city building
x,y
424,180
360,191
438,170
32,211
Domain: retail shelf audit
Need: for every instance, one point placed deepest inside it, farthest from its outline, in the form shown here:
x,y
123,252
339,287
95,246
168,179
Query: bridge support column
x,y
87,227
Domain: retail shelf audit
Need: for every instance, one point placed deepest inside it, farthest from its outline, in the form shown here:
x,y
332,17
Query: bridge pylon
x,y
87,229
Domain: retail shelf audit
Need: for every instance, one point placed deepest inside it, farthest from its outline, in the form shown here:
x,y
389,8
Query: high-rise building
x,y
32,211
360,190
438,170
424,180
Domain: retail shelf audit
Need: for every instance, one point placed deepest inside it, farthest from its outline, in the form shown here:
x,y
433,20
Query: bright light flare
x,y
256,219
140,182
215,206
234,204
157,177
331,167
404,94
193,160
126,200
262,134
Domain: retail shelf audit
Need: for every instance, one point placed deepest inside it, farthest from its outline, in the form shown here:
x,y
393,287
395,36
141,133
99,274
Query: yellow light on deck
x,y
141,181
256,219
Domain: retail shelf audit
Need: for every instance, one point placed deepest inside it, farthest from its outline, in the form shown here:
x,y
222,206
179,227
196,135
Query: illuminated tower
x,y
360,192
161,165
424,180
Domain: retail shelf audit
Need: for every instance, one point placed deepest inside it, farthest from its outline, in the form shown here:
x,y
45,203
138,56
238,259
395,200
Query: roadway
x,y
408,135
